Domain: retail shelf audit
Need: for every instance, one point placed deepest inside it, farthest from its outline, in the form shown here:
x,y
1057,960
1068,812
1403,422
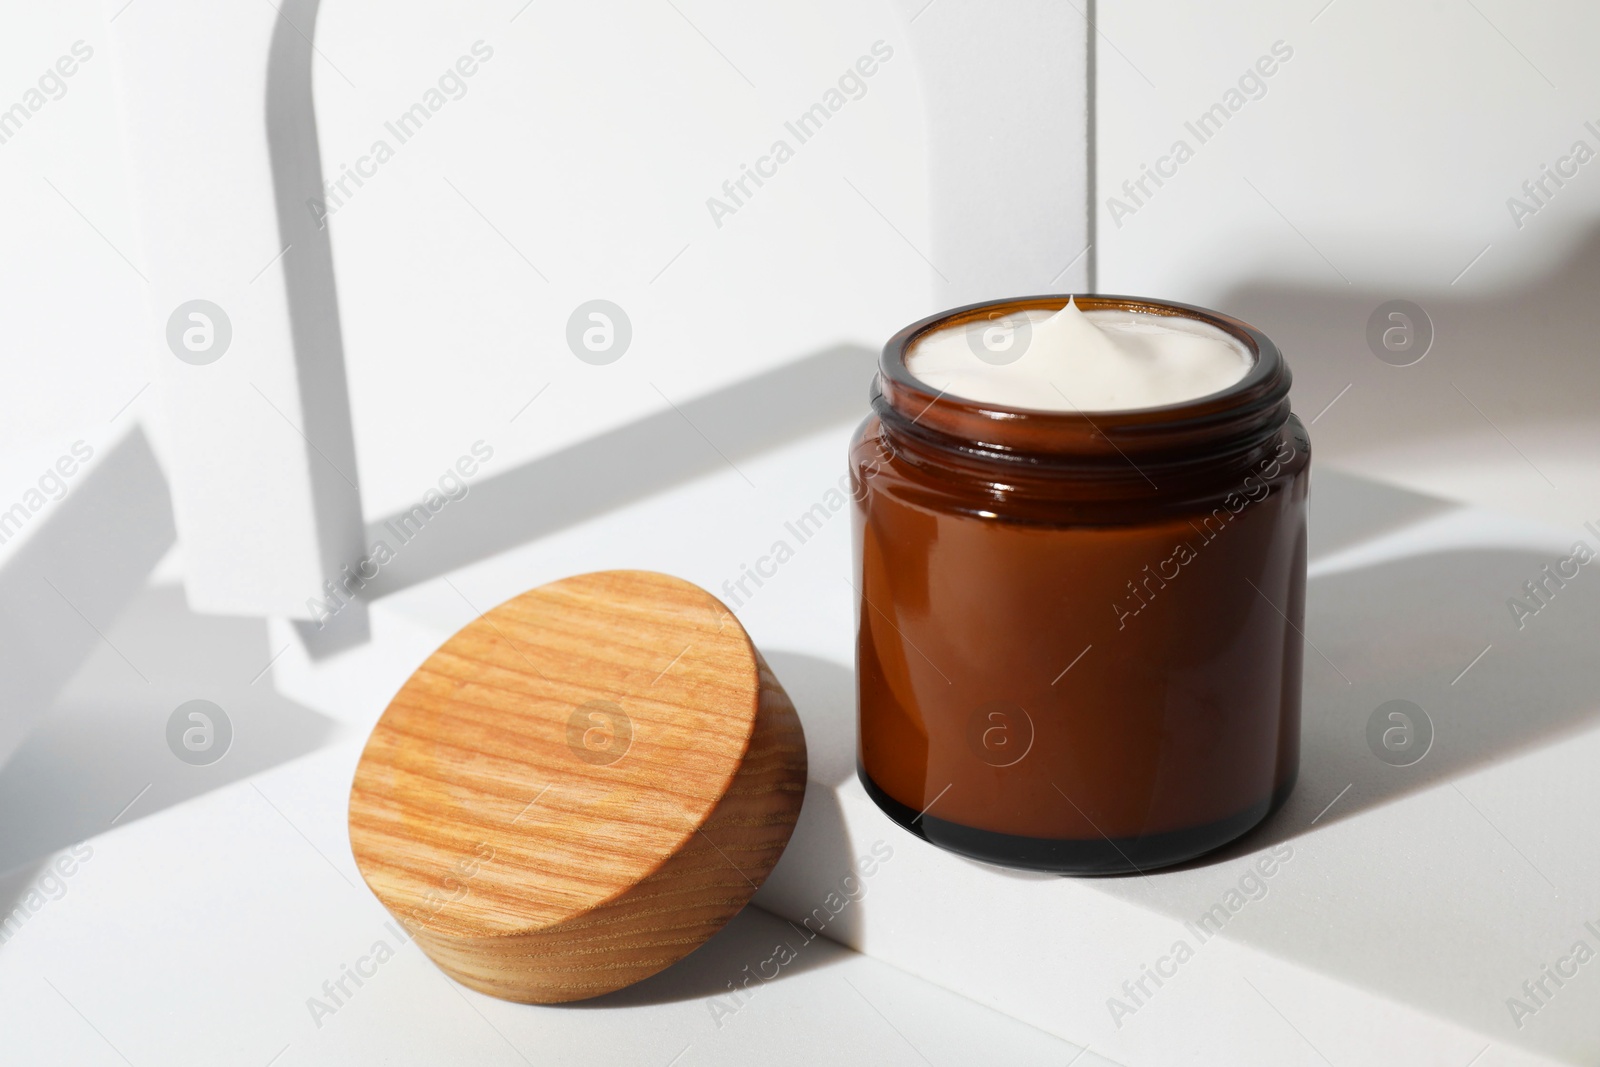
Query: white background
x,y
1376,167
1381,159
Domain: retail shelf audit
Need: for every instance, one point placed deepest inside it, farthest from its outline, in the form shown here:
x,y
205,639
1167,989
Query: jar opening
x,y
1093,360
1208,428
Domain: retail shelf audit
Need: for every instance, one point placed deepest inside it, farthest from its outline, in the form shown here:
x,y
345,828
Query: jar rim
x,y
1252,408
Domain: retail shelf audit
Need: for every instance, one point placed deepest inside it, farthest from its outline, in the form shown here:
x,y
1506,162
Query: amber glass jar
x,y
1079,643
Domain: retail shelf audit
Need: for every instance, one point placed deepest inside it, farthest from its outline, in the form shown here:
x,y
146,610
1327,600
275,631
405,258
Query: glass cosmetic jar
x,y
1079,634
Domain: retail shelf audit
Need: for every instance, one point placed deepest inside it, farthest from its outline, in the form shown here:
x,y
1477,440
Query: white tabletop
x,y
1415,902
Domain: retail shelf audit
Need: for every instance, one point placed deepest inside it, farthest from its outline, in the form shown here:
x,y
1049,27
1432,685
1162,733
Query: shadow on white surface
x,y
82,562
102,758
1494,409
1397,889
1432,625
827,693
650,455
824,693
740,951
1347,509
1442,883
307,266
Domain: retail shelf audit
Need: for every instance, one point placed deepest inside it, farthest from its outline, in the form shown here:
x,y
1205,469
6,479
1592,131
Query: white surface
x,y
1006,89
1411,907
1388,146
990,108
259,450
59,581
1377,164
247,901
597,163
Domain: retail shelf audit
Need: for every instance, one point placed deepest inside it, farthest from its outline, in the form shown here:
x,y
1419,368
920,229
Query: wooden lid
x,y
579,788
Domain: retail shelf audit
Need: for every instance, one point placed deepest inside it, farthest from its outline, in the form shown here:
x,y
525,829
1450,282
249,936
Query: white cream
x,y
1073,360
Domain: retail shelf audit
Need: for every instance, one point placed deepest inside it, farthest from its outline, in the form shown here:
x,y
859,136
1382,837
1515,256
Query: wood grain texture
x,y
579,788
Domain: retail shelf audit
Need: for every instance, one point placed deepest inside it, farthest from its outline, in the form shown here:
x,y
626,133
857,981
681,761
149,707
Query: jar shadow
x,y
1411,617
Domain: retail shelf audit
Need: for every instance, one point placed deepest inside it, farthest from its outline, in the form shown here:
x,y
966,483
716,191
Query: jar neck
x,y
1217,433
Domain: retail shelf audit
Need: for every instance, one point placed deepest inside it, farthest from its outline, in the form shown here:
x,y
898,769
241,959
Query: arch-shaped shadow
x,y
79,639
310,290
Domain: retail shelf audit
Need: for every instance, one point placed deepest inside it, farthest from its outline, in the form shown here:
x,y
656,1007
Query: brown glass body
x,y
1079,637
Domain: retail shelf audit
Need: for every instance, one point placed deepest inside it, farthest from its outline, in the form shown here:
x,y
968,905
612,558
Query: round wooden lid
x,y
579,788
